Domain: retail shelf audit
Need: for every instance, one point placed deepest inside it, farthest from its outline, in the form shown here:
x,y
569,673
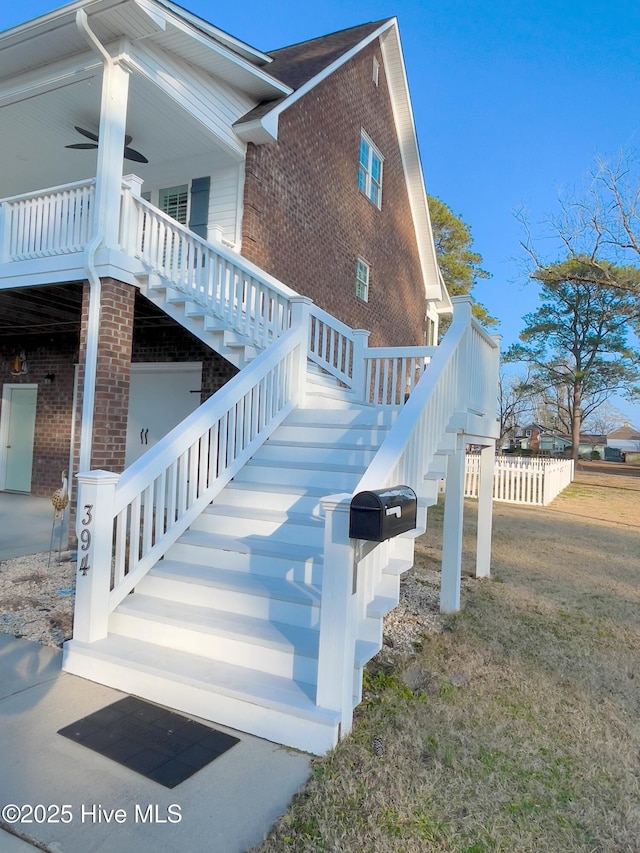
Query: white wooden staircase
x,y
216,575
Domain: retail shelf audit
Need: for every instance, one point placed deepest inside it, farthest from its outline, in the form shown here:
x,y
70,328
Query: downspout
x,y
95,285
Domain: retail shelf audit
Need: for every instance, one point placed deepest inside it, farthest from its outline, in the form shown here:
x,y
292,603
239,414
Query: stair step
x,y
297,563
262,596
302,499
356,416
290,473
277,525
380,606
285,650
276,708
334,455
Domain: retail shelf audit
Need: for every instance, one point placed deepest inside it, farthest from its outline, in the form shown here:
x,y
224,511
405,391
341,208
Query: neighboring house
x,y
626,439
219,332
537,438
591,444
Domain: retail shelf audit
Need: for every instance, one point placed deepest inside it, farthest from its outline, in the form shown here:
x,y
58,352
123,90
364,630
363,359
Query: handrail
x,y
454,383
249,300
144,511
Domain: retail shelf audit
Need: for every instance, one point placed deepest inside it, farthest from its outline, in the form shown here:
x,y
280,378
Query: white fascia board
x,y
248,52
56,75
405,126
211,40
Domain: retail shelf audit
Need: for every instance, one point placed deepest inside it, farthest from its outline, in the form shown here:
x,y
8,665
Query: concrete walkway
x,y
226,807
26,524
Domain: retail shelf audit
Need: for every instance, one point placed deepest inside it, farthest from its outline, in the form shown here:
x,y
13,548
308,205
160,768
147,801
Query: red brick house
x,y
218,302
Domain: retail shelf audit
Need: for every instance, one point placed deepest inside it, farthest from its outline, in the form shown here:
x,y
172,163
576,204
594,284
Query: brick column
x,y
112,376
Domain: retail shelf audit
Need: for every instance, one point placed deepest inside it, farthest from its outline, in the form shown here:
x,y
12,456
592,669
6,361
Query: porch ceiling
x,y
34,133
55,309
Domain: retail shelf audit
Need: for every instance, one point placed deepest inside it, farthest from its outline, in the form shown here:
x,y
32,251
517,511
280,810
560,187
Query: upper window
x,y
370,171
376,71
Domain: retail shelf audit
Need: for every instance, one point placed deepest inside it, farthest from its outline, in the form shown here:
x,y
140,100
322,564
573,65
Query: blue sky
x,y
512,103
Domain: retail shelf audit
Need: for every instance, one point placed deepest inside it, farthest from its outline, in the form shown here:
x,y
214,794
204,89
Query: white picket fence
x,y
521,480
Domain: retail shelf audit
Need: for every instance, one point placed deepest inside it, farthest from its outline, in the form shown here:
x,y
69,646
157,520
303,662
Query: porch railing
x,y
125,524
47,223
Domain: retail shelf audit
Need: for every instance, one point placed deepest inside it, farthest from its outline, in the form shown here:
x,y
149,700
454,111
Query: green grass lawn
x,y
517,726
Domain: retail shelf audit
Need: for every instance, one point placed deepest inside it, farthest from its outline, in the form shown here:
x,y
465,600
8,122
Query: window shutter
x,y
199,219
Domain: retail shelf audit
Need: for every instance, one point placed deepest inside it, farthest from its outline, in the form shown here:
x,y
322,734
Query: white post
x,y
485,511
113,118
132,189
338,613
452,530
300,318
360,338
94,529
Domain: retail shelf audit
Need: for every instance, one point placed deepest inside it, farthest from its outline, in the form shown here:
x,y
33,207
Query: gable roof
x,y
298,63
625,433
305,65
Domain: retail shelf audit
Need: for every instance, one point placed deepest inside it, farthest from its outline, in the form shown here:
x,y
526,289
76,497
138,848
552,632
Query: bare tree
x,y
599,223
516,396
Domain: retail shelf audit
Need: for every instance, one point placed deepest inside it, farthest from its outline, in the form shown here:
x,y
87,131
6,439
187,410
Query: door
x,y
18,430
160,396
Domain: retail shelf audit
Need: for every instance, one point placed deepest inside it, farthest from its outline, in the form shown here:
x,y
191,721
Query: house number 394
x,y
85,538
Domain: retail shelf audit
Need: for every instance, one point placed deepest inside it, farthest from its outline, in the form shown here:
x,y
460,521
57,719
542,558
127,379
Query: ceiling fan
x,y
129,153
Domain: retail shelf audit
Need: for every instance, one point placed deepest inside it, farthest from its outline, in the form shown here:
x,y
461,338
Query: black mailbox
x,y
381,514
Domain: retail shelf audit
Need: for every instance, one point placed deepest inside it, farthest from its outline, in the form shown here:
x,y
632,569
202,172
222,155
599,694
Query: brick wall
x,y
112,373
306,222
158,338
52,355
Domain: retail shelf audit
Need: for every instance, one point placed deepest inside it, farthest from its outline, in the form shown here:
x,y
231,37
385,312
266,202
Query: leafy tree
x,y
577,339
460,266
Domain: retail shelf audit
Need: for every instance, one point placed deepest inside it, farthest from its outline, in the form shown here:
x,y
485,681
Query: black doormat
x,y
159,744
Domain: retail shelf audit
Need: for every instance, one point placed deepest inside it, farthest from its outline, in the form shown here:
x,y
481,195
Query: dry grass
x,y
516,728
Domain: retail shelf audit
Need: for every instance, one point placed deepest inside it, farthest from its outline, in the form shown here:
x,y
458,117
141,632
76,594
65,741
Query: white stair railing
x,y
125,524
456,383
256,305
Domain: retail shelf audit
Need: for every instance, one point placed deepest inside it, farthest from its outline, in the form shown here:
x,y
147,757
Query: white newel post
x,y
132,186
452,529
485,510
360,339
94,529
338,613
300,318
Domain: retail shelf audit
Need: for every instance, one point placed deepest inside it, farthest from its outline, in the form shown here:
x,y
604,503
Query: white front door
x,y
17,432
160,396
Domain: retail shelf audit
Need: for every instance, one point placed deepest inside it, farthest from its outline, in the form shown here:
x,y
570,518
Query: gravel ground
x,y
36,599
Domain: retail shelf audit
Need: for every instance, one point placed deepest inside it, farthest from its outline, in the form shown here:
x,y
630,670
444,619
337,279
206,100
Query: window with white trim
x,y
362,280
376,71
370,171
174,201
